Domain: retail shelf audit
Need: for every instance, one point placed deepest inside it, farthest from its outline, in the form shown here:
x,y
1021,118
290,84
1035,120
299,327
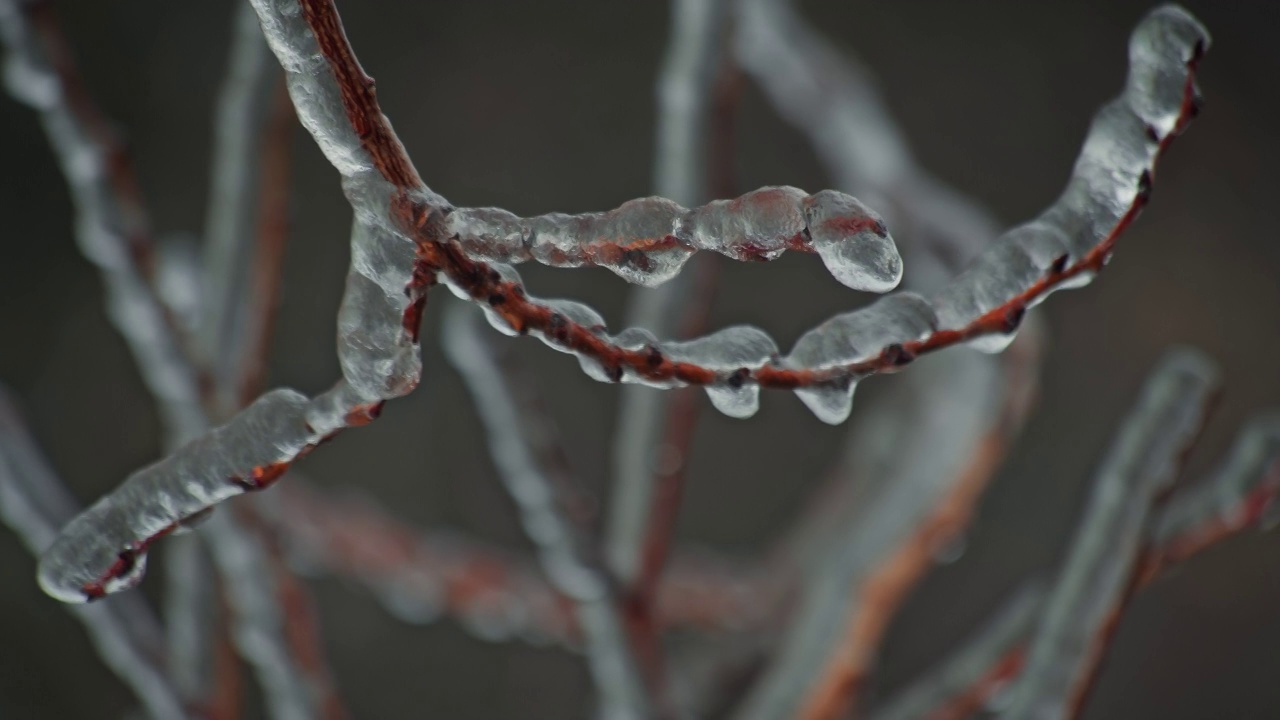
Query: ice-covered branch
x,y
493,592
647,241
913,479
1064,247
1101,567
565,551
125,632
104,549
1232,498
113,234
1237,495
111,226
985,661
400,221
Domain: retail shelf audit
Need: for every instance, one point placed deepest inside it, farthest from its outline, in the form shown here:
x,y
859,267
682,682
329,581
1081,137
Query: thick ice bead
x,y
852,242
862,334
755,226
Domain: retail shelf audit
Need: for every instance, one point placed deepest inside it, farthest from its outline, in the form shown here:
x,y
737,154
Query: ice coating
x,y
856,337
647,241
1242,487
422,577
377,324
1141,465
103,549
1062,248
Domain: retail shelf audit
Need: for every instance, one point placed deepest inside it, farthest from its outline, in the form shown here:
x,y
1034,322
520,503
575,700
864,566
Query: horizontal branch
x,y
495,593
647,241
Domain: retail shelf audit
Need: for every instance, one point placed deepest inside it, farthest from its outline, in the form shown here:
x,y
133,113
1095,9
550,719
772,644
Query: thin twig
x,y
497,594
243,113
683,98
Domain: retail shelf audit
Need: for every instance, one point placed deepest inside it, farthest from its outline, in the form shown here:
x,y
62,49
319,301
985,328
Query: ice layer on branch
x,y
1064,247
1101,566
647,241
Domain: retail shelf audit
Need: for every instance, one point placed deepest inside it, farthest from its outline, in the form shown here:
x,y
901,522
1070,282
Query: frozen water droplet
x,y
831,402
740,402
992,343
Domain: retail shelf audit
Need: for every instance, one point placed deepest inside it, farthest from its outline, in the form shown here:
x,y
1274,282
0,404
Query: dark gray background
x,y
538,106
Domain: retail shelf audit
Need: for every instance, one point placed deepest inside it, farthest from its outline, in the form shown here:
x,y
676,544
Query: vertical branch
x,y
111,225
919,473
1101,567
268,258
243,113
566,554
112,233
125,632
683,96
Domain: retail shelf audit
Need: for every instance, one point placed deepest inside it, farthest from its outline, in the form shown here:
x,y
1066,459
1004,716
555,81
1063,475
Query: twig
x,y
564,551
1237,495
1232,498
1065,247
495,593
113,234
111,226
834,101
268,257
1101,568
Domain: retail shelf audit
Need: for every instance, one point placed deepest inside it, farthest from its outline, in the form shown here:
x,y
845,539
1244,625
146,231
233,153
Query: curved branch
x,y
1102,566
1063,248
